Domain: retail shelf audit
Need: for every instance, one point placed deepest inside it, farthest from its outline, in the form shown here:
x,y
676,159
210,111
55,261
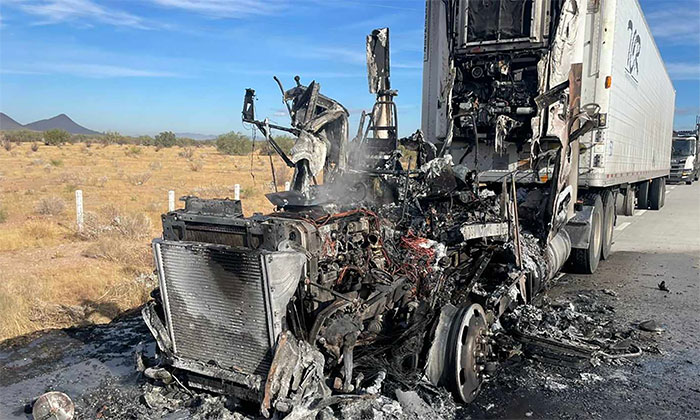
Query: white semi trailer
x,y
577,87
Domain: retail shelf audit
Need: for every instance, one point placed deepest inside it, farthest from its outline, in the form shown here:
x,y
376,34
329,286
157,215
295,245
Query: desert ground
x,y
52,275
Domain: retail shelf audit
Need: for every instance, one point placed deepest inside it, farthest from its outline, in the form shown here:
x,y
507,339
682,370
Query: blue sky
x,y
143,66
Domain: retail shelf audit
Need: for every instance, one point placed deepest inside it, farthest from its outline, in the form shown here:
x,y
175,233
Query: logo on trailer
x,y
633,51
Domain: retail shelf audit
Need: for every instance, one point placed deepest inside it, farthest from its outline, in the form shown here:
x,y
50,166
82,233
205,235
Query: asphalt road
x,y
650,247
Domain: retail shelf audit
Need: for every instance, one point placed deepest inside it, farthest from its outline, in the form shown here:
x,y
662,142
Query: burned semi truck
x,y
397,257
494,70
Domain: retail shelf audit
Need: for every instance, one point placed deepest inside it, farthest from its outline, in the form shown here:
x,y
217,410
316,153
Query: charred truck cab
x,y
397,264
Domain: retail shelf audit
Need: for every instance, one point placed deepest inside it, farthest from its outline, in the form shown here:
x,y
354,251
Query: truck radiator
x,y
215,234
216,303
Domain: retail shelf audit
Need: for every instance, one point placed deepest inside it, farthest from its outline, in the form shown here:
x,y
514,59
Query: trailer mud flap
x,y
579,228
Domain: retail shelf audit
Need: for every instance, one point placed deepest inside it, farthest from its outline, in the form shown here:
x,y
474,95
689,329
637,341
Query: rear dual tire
x,y
657,193
643,195
608,224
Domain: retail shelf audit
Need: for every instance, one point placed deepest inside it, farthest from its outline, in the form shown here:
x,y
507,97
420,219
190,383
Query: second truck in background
x,y
685,164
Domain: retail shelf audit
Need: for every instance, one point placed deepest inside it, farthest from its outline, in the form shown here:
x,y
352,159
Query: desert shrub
x,y
99,181
187,153
247,192
155,165
133,151
133,226
84,149
3,214
196,165
111,220
110,137
19,136
284,142
73,179
234,144
56,162
165,139
56,137
50,206
138,179
110,213
144,140
93,226
6,144
154,206
35,147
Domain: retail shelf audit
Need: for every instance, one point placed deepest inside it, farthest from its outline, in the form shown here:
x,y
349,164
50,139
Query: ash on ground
x,y
95,367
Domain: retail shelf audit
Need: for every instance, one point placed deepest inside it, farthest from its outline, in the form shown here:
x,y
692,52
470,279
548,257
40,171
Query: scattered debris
x,y
414,406
609,292
553,385
651,326
53,405
590,377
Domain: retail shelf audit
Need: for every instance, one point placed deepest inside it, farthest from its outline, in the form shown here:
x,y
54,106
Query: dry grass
x,y
64,296
133,255
282,174
32,234
51,276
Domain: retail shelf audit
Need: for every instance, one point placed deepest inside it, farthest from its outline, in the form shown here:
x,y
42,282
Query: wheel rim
x,y
470,350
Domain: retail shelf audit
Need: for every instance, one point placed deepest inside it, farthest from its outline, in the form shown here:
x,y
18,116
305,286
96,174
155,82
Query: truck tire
x,y
585,261
624,201
643,195
608,223
630,195
657,190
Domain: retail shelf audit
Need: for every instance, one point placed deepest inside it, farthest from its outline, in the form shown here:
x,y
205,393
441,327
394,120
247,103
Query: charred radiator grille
x,y
216,305
215,234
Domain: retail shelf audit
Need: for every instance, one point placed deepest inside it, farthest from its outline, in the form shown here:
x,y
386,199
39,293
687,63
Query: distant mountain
x,y
7,123
195,136
62,122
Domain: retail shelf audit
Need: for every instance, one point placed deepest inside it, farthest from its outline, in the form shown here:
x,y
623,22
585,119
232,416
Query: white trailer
x,y
625,75
577,84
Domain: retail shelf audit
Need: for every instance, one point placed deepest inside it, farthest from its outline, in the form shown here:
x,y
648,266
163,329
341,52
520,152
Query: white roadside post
x,y
171,200
237,192
79,209
287,185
